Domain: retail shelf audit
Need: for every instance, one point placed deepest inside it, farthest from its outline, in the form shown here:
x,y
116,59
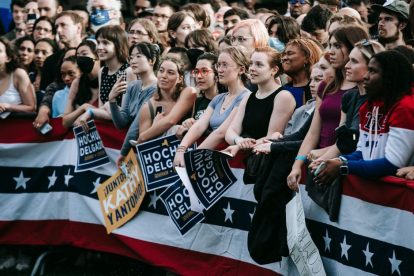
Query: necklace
x,y
228,102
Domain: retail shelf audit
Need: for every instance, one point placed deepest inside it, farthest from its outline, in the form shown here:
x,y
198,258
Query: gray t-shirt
x,y
135,97
217,119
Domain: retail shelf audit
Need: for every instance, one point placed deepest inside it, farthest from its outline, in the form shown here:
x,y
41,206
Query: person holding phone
x,y
144,59
171,93
31,13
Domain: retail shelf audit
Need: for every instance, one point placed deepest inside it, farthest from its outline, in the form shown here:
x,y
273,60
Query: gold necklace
x,y
228,103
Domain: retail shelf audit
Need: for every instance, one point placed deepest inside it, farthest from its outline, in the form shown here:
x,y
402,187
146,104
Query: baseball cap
x,y
399,7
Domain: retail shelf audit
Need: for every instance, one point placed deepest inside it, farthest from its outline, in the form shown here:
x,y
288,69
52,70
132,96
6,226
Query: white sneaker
x,y
23,264
8,262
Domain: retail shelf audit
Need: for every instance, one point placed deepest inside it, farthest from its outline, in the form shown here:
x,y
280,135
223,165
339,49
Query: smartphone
x,y
320,168
133,143
159,109
223,154
46,128
31,18
4,114
121,74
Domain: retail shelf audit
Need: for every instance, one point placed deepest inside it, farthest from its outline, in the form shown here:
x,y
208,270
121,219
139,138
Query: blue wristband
x,y
91,112
302,158
234,139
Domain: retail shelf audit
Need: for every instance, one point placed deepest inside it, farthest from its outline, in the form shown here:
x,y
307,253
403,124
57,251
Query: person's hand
x,y
189,123
245,143
315,164
264,147
29,28
276,136
294,177
4,107
315,154
404,171
179,159
42,118
233,150
118,88
410,175
158,117
180,132
83,121
330,173
120,160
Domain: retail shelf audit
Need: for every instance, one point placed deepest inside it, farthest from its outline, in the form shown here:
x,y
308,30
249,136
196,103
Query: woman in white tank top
x,y
16,91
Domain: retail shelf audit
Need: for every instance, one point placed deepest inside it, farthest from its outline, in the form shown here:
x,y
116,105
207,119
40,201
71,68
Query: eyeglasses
x,y
137,34
131,58
203,72
163,16
39,29
239,39
222,65
302,2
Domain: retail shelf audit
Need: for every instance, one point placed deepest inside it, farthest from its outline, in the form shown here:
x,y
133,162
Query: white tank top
x,y
12,96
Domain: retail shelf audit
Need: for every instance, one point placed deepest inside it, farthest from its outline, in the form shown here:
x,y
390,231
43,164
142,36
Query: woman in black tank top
x,y
264,112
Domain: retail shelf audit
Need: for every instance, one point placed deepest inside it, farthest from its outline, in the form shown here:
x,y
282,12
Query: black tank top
x,y
257,115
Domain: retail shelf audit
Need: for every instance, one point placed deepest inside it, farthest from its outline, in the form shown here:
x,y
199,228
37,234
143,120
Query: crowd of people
x,y
328,82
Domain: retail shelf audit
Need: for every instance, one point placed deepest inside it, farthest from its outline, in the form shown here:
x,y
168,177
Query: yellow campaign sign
x,y
121,195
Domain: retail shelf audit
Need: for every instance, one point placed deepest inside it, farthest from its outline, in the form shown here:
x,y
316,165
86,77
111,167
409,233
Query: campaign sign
x,y
177,201
302,249
122,194
91,152
156,159
210,175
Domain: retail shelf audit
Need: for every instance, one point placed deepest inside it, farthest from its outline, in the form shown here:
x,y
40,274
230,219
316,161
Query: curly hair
x,y
397,75
310,50
181,73
11,53
316,19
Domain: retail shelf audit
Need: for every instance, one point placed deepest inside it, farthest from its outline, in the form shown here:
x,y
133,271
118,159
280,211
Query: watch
x,y
343,169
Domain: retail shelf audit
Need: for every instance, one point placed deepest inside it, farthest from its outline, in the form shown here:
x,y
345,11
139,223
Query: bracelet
x,y
302,158
181,149
234,139
91,112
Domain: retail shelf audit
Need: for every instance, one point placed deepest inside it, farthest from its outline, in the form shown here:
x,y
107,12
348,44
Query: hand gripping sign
x,y
156,159
209,174
91,152
302,249
122,194
177,201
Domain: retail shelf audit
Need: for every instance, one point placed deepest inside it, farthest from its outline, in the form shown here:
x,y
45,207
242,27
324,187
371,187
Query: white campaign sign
x,y
302,249
195,204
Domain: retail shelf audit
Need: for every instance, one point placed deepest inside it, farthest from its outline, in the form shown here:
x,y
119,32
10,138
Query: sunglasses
x,y
302,2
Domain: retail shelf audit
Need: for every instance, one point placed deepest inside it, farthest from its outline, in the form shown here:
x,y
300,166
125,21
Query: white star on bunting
x,y
154,199
229,213
67,178
21,181
344,248
327,241
394,263
96,185
368,256
52,179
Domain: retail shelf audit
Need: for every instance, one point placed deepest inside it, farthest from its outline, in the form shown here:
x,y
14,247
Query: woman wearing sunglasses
x,y
231,67
207,81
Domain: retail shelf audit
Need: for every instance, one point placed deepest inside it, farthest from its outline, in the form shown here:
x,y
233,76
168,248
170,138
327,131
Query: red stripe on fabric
x,y
22,131
387,191
92,236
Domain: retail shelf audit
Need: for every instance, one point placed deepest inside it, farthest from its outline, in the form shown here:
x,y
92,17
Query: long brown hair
x,y
181,73
346,36
117,36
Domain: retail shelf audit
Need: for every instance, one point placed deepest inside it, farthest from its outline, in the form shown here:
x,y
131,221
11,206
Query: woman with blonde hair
x,y
232,66
250,33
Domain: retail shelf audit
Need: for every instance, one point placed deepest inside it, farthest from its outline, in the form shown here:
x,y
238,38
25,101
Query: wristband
x,y
234,139
302,158
91,112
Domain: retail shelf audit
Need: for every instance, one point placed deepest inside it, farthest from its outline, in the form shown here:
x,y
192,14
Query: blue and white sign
x,y
210,175
177,201
91,152
156,160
